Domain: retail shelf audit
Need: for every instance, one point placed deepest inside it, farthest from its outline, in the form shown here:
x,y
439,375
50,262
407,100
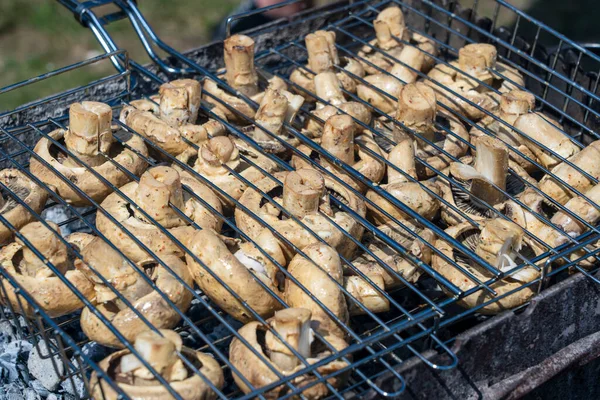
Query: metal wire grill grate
x,y
379,342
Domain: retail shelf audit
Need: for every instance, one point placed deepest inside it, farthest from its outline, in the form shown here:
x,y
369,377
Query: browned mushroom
x,y
158,189
512,105
239,61
500,243
314,126
480,177
412,194
587,160
233,268
293,325
341,139
476,62
159,350
90,139
319,274
99,258
14,212
37,279
218,157
305,194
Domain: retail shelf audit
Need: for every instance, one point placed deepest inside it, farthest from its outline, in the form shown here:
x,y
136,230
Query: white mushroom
x,y
159,350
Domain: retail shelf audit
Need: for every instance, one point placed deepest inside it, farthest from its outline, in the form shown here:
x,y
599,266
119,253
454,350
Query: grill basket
x,y
422,317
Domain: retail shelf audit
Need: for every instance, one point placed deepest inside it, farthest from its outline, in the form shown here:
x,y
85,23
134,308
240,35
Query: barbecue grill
x,y
425,345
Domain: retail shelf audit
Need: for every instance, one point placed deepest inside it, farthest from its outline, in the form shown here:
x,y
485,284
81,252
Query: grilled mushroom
x,y
39,281
14,212
159,350
314,126
89,138
292,325
389,27
501,243
304,195
587,160
100,257
549,133
239,61
478,176
232,267
217,158
318,274
158,188
479,61
413,194
340,139
512,105
385,83
180,102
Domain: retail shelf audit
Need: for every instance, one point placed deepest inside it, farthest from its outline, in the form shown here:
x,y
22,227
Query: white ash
x,y
59,214
45,368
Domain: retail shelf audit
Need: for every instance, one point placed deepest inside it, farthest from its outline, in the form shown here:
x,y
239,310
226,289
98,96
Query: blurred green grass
x,y
37,36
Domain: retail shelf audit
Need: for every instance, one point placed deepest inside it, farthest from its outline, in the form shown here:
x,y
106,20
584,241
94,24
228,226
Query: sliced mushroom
x,y
412,194
158,190
549,133
587,160
90,139
298,193
239,61
293,325
100,257
480,177
501,243
217,158
233,268
14,212
159,350
512,105
318,274
341,139
49,292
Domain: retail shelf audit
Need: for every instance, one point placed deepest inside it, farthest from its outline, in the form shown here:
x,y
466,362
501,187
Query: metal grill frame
x,y
427,321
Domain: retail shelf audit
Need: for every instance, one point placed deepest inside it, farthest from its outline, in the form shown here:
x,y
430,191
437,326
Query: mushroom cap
x,y
49,292
149,234
386,83
313,275
14,212
213,252
191,388
258,373
114,268
459,279
412,194
81,176
292,231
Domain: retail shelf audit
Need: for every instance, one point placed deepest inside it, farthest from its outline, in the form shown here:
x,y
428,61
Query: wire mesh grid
x,y
379,342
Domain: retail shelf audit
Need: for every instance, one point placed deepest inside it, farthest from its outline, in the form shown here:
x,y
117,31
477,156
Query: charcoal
x,y
45,368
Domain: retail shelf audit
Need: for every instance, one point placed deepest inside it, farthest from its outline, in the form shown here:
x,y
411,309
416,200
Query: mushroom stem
x,y
411,61
157,188
491,162
270,115
293,326
477,58
322,53
294,103
389,23
338,137
89,132
403,157
302,191
417,109
329,88
180,101
239,61
216,152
